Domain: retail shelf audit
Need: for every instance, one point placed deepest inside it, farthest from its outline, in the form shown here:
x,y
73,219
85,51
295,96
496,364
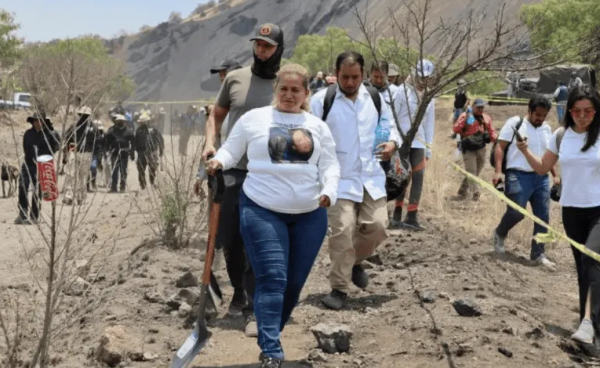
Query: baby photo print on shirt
x,y
287,145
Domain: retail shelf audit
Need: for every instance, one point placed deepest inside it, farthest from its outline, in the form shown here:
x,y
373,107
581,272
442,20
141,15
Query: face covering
x,y
268,69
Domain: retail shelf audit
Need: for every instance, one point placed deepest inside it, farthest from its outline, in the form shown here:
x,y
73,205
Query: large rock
x,y
333,338
467,308
187,280
77,287
189,296
116,345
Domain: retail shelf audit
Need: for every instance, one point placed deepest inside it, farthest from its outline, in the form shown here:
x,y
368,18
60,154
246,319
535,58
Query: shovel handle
x,y
217,183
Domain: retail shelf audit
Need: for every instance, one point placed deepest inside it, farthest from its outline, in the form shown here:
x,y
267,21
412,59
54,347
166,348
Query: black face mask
x,y
268,69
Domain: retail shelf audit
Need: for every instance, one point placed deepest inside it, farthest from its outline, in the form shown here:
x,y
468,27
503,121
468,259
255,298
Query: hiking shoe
x,y
395,225
251,329
237,303
335,300
21,221
268,362
585,332
412,224
544,261
359,277
499,244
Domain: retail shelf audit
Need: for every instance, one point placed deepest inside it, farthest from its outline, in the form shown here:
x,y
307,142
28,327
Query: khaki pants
x,y
357,230
78,173
474,162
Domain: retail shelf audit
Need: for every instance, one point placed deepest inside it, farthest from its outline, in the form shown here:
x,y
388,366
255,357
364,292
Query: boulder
x,y
116,345
467,308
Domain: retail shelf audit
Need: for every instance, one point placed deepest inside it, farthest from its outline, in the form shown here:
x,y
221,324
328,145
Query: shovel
x,y
209,290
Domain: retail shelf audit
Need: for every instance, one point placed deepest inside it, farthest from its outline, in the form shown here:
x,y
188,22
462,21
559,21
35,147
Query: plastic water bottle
x,y
382,135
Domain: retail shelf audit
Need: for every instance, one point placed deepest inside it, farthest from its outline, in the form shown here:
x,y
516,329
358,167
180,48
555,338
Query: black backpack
x,y
330,96
493,153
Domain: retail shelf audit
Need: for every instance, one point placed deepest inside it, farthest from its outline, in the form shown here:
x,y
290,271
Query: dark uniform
x,y
119,145
149,144
35,144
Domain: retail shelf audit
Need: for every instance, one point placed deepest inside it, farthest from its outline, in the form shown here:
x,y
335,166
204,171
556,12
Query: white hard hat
x,y
424,68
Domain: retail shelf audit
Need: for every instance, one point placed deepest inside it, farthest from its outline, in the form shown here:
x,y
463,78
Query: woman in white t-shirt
x,y
293,175
577,149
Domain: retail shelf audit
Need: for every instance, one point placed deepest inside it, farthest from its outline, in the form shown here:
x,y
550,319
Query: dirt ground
x,y
527,310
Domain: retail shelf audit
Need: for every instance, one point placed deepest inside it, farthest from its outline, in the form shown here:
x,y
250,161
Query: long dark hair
x,y
585,93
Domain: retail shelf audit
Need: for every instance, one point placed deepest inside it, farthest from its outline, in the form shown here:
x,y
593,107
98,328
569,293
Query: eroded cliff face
x,y
172,61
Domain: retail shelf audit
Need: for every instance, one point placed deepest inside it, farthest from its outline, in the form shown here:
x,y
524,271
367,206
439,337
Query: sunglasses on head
x,y
588,113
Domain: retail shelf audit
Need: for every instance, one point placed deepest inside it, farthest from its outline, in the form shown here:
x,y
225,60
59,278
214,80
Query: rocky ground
x,y
435,299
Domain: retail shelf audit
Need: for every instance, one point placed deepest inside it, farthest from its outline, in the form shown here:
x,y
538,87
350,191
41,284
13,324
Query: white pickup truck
x,y
20,101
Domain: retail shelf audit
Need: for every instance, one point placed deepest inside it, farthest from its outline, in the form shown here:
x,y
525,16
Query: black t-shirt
x,y
460,99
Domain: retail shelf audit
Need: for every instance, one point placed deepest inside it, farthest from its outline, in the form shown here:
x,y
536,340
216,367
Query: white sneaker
x,y
544,261
585,332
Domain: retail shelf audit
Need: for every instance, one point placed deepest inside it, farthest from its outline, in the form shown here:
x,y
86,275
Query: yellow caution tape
x,y
552,235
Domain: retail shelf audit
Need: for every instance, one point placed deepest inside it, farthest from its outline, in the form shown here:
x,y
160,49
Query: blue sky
x,y
43,20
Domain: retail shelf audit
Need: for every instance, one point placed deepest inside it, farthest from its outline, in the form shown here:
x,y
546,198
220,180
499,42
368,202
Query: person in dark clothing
x,y
119,145
82,139
318,83
40,140
97,154
149,144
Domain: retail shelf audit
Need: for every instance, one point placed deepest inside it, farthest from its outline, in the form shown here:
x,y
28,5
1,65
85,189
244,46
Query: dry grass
x,y
476,219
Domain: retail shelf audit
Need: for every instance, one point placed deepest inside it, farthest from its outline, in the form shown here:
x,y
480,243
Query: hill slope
x,y
172,61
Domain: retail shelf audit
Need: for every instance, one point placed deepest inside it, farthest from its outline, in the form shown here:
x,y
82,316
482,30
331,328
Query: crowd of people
x,y
302,155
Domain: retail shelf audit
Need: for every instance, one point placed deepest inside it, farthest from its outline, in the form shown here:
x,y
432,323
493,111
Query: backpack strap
x,y
329,97
559,137
376,100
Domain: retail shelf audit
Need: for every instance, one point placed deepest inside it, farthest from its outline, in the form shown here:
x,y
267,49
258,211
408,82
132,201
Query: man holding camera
x,y
476,130
522,183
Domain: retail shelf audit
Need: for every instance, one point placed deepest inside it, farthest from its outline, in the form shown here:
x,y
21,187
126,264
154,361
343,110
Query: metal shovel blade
x,y
191,347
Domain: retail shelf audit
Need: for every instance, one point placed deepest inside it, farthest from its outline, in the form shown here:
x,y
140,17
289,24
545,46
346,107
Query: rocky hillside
x,y
172,61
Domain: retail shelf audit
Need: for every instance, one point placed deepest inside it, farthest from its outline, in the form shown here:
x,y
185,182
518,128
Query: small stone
x,y
317,356
183,268
115,345
333,338
505,352
444,295
187,280
78,287
184,310
153,330
464,349
149,357
189,296
429,296
174,303
400,266
153,297
467,308
510,331
473,241
146,257
535,334
110,318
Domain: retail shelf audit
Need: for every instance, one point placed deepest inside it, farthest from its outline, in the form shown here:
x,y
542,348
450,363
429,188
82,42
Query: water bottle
x,y
382,135
470,117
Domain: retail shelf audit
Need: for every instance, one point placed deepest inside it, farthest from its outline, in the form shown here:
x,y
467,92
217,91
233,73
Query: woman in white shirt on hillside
x,y
293,175
579,156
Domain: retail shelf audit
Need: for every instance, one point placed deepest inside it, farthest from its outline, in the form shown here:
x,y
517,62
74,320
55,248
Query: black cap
x,y
226,65
270,33
479,102
38,116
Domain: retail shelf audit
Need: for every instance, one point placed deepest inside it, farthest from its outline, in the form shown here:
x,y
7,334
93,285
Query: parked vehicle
x,y
20,101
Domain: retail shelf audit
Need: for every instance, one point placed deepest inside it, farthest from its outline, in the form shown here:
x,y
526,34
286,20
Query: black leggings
x,y
583,226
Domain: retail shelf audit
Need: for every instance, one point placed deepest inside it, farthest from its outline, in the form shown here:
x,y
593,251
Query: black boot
x,y
412,222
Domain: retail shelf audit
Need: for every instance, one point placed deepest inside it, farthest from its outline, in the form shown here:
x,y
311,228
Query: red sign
x,y
47,178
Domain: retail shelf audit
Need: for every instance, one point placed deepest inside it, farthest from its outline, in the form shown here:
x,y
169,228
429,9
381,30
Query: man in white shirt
x,y
522,184
406,102
575,81
353,118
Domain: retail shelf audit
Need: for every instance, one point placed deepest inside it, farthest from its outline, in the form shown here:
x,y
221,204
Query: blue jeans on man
x,y
560,112
282,249
522,187
28,176
457,113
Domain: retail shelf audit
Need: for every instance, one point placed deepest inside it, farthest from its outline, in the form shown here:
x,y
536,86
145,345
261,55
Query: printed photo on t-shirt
x,y
290,145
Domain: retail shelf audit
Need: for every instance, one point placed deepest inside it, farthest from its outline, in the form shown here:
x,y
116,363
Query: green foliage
x,y
555,22
9,42
491,83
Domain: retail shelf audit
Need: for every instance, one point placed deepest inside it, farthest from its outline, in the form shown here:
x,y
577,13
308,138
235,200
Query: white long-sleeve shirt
x,y
291,159
353,124
406,102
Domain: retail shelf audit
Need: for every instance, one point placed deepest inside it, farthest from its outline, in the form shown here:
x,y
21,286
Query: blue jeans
x,y
522,187
560,112
28,176
119,166
457,113
282,249
94,166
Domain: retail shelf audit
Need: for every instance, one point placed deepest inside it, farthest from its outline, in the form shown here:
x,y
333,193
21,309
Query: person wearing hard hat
x,y
148,144
407,101
81,140
119,146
